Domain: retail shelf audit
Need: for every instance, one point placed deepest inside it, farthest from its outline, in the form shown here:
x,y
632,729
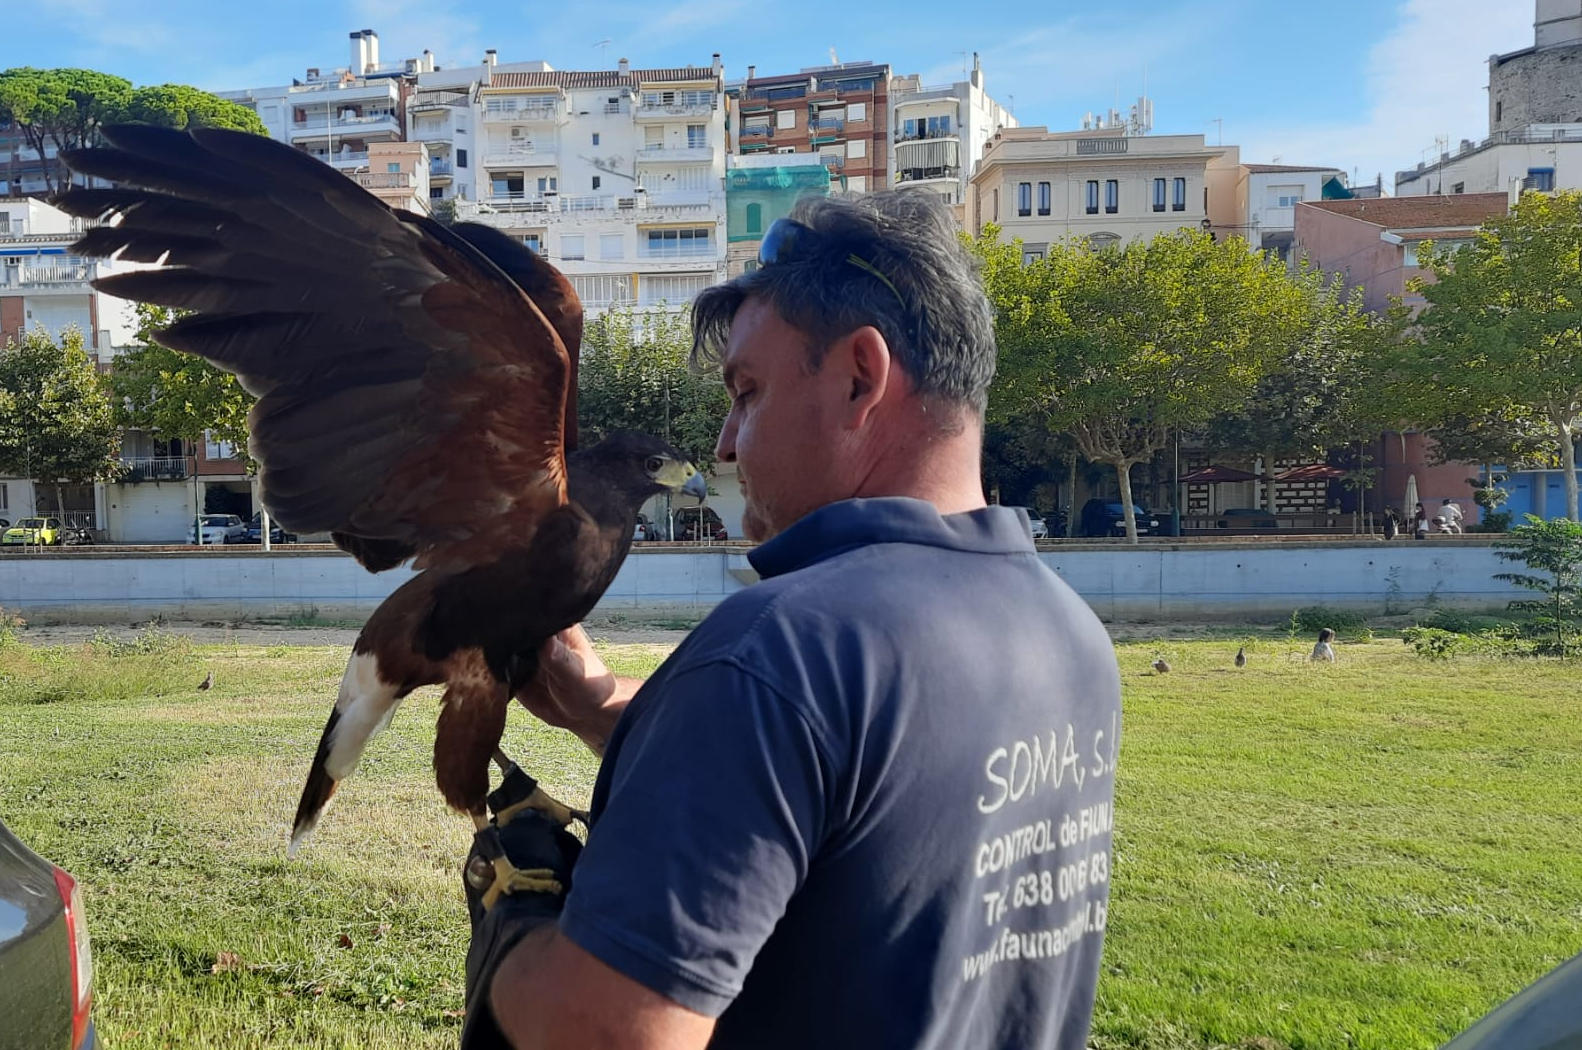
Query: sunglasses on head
x,y
787,239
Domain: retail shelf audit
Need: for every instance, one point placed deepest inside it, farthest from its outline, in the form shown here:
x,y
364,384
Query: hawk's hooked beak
x,y
696,486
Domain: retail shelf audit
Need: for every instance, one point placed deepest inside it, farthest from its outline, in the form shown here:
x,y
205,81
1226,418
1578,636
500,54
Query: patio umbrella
x,y
1411,496
1311,472
1215,475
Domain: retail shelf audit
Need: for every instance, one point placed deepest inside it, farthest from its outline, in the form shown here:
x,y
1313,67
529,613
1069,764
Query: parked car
x,y
1246,518
644,529
1036,522
220,528
1102,517
686,521
44,532
46,963
255,532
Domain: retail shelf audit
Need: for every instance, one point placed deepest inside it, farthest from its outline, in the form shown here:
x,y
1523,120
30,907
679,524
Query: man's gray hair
x,y
942,326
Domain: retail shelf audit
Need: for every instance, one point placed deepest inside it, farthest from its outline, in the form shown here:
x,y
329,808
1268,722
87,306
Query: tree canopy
x,y
1122,346
1501,336
56,422
633,375
64,109
176,395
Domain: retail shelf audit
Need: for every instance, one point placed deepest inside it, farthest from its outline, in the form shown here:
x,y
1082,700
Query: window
x,y
785,118
1093,197
909,130
533,242
1543,179
785,149
507,185
679,243
856,111
612,246
5,499
596,182
671,289
1178,198
857,148
1112,196
996,212
1031,256
546,185
571,247
1499,111
1159,195
938,126
697,136
393,167
436,193
595,138
856,184
1288,200
1043,198
1024,198
461,158
1459,187
755,218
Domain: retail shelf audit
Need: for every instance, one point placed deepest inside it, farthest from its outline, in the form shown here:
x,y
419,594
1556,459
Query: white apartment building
x,y
617,176
1539,157
938,133
1100,185
1272,193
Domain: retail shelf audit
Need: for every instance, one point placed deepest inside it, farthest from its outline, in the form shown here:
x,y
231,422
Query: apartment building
x,y
938,133
840,112
1272,192
760,189
1101,185
617,176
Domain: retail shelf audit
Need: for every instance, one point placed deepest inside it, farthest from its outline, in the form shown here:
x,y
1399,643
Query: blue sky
x,y
1360,84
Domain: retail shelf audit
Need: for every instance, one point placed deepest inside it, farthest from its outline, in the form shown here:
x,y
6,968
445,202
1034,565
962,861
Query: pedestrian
x,y
816,824
1450,510
1392,523
1420,522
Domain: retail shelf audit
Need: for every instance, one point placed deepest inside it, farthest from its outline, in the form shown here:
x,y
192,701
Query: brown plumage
x,y
208,681
416,400
1241,656
1160,666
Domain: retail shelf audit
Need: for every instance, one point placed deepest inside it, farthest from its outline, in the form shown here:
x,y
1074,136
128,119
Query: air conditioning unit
x,y
626,203
517,133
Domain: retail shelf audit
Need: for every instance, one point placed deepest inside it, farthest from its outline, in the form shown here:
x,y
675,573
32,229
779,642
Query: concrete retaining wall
x,y
1173,580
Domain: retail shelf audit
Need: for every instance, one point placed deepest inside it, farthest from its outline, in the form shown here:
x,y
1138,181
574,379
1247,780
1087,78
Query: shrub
x,y
1344,622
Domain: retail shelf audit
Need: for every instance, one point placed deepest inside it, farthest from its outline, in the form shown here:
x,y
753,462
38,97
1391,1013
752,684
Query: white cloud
x,y
1427,77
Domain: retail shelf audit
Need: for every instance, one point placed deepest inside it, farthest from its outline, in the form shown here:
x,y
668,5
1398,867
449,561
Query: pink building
x,y
1372,244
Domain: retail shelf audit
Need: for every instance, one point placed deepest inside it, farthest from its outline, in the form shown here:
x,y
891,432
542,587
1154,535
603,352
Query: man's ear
x,y
869,373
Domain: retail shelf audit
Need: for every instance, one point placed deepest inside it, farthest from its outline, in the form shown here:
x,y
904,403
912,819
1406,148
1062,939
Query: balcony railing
x,y
342,160
924,174
550,207
827,124
652,110
55,274
441,168
673,154
677,250
763,131
919,136
496,113
154,468
386,180
521,158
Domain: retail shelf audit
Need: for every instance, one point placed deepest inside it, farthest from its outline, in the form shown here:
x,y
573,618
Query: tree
x,y
180,106
1501,336
63,108
1122,347
633,375
1553,548
176,395
56,423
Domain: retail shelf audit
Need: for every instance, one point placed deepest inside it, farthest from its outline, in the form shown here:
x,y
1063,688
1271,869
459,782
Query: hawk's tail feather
x,y
317,791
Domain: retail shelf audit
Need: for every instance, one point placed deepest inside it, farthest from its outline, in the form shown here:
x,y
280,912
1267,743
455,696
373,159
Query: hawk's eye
x,y
654,465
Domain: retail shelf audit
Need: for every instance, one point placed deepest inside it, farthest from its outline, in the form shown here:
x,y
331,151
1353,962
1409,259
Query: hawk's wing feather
x,y
412,397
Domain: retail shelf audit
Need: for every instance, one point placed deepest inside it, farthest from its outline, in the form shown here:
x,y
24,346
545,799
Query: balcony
x,y
524,156
154,468
675,154
550,208
436,103
368,126
80,273
919,136
386,180
441,171
649,111
514,111
829,124
347,159
916,175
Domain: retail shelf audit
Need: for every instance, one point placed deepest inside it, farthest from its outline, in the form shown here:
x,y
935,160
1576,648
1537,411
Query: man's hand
x,y
575,690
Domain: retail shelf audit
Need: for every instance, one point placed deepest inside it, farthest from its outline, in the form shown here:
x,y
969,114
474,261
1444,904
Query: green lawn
x,y
1365,855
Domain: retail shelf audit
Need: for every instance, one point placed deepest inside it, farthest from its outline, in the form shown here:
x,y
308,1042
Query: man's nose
x,y
725,447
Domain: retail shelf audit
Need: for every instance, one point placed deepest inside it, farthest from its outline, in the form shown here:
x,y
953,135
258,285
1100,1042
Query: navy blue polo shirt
x,y
868,801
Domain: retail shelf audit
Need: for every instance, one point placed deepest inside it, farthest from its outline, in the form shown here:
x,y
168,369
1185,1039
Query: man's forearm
x,y
596,733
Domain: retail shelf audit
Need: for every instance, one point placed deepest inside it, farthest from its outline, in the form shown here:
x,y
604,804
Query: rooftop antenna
x,y
963,55
1219,129
603,46
1010,104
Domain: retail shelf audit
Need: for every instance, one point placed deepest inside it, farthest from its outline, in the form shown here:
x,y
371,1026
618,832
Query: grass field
x,y
1367,855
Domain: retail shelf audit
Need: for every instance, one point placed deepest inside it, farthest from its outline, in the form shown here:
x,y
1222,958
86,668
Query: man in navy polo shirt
x,y
868,802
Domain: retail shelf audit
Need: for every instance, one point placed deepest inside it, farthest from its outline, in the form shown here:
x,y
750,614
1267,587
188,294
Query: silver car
x,y
46,963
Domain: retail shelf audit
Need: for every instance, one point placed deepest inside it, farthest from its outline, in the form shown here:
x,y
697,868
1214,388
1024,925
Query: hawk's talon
x,y
510,879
